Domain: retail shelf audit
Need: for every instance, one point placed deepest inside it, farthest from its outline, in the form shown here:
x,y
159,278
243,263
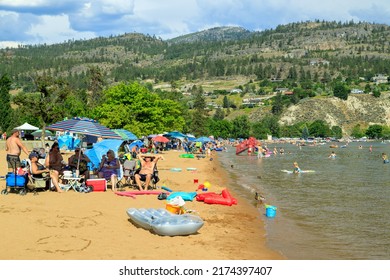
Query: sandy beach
x,y
95,226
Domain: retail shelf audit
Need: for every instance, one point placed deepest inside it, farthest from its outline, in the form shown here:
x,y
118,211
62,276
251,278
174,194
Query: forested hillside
x,y
296,51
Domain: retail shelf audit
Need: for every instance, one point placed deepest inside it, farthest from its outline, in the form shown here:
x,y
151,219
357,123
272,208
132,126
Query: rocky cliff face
x,y
358,109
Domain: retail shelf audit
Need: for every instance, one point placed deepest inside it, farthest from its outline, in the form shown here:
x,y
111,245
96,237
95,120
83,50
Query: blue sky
x,y
55,21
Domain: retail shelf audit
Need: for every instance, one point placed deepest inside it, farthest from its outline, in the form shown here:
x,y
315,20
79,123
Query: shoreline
x,y
95,226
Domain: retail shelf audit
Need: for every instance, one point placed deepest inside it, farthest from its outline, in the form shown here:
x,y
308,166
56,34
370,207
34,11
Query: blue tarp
x,y
68,142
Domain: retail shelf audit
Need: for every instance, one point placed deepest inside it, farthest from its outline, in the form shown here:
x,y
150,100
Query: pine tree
x,y
5,103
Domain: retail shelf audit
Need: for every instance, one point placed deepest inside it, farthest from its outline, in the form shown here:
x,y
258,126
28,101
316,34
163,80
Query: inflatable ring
x,y
187,156
175,169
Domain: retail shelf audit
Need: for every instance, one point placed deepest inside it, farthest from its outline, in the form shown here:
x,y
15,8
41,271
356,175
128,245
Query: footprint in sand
x,y
6,209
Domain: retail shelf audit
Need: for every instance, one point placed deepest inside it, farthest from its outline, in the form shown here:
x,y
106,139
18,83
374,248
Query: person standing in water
x,y
385,158
296,169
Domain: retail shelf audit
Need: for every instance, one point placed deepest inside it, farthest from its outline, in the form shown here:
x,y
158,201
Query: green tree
x,y
225,102
47,105
95,87
319,128
340,91
220,128
374,131
337,132
199,115
357,131
272,123
277,106
219,114
260,131
133,107
5,103
376,93
305,132
367,88
241,127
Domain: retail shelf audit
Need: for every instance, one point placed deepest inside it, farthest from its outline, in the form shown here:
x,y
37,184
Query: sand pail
x,y
270,211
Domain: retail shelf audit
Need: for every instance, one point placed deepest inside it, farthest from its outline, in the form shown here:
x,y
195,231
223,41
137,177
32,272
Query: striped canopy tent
x,y
84,126
125,134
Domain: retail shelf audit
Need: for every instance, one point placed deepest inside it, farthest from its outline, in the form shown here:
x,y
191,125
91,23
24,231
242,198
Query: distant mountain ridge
x,y
225,33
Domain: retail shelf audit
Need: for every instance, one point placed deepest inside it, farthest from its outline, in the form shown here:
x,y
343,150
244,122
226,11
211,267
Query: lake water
x,y
341,211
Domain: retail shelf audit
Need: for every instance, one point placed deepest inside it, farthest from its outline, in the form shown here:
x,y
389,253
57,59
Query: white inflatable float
x,y
163,222
302,171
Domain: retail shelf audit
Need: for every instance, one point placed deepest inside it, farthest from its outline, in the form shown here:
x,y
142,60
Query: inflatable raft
x,y
162,222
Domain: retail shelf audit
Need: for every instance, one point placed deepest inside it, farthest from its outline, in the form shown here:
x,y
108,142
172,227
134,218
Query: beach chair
x,y
129,169
37,182
119,184
155,178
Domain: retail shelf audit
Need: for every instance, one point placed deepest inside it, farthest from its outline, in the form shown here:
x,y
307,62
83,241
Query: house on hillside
x,y
281,90
317,62
252,102
357,91
236,90
380,79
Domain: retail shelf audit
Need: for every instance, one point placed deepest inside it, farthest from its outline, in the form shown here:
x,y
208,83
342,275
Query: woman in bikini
x,y
148,162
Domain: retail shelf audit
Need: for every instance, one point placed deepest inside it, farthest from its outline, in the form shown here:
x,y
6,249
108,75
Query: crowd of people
x,y
51,165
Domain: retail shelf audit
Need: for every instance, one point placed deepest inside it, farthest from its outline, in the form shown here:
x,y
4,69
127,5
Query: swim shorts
x,y
13,161
143,177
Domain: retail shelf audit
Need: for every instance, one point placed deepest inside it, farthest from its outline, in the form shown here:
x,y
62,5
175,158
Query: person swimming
x,y
296,169
332,155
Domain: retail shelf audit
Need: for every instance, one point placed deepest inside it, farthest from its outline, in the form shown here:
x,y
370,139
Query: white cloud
x,y
52,29
35,21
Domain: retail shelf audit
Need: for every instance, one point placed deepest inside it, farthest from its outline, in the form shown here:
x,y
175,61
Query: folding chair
x,y
37,182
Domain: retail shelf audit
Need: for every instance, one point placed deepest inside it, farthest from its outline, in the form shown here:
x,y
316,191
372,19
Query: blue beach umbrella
x,y
84,126
137,143
99,149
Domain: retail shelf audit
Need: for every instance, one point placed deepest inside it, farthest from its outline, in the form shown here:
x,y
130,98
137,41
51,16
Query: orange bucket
x,y
174,209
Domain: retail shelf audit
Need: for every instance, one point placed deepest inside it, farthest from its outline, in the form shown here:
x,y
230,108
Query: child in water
x,y
296,168
332,155
385,158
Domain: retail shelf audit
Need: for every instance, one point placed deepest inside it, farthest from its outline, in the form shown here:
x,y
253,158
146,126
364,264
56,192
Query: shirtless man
x,y
147,168
13,148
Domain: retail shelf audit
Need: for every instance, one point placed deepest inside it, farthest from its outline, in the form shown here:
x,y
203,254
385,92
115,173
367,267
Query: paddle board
x,y
302,171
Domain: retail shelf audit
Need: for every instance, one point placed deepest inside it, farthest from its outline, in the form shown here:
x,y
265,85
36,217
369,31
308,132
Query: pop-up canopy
x,y
27,126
